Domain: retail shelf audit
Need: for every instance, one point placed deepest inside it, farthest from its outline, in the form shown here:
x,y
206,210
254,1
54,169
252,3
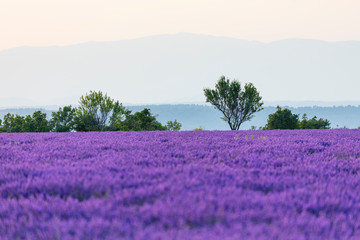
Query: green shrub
x,y
314,123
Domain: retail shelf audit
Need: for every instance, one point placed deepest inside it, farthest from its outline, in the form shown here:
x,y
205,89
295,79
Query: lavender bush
x,y
301,184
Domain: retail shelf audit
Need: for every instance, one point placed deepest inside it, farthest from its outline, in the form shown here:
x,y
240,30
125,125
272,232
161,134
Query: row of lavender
x,y
301,184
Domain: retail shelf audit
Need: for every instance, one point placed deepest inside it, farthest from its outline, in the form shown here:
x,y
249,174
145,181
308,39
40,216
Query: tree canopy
x,y
314,123
282,119
35,123
93,113
62,120
141,121
173,125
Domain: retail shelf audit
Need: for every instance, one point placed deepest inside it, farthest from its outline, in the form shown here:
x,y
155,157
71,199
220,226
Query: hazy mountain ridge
x,y
193,116
175,69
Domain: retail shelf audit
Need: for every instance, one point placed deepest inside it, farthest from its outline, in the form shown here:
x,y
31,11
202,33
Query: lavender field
x,y
300,184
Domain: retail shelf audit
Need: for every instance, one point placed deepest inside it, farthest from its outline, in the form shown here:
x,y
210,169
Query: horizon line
x,y
179,33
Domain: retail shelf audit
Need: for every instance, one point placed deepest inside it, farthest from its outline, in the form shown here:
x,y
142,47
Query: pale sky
x,y
65,22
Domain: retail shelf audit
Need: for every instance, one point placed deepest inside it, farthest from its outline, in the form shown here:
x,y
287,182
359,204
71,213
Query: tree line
x,y
96,112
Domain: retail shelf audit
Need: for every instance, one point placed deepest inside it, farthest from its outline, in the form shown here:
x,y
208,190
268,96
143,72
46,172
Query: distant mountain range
x,y
175,68
194,116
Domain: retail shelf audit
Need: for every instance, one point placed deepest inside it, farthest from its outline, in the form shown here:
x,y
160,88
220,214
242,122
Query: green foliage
x,y
173,125
35,123
28,124
118,116
282,119
13,123
314,123
2,128
141,121
237,105
98,112
84,122
199,129
62,120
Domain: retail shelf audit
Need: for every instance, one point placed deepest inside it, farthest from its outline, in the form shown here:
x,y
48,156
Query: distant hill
x,y
175,68
193,116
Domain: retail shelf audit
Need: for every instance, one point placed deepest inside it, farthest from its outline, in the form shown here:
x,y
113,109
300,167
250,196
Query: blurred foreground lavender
x,y
181,185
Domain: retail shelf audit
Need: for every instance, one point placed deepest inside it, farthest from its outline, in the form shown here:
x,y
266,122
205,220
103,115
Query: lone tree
x,y
238,105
